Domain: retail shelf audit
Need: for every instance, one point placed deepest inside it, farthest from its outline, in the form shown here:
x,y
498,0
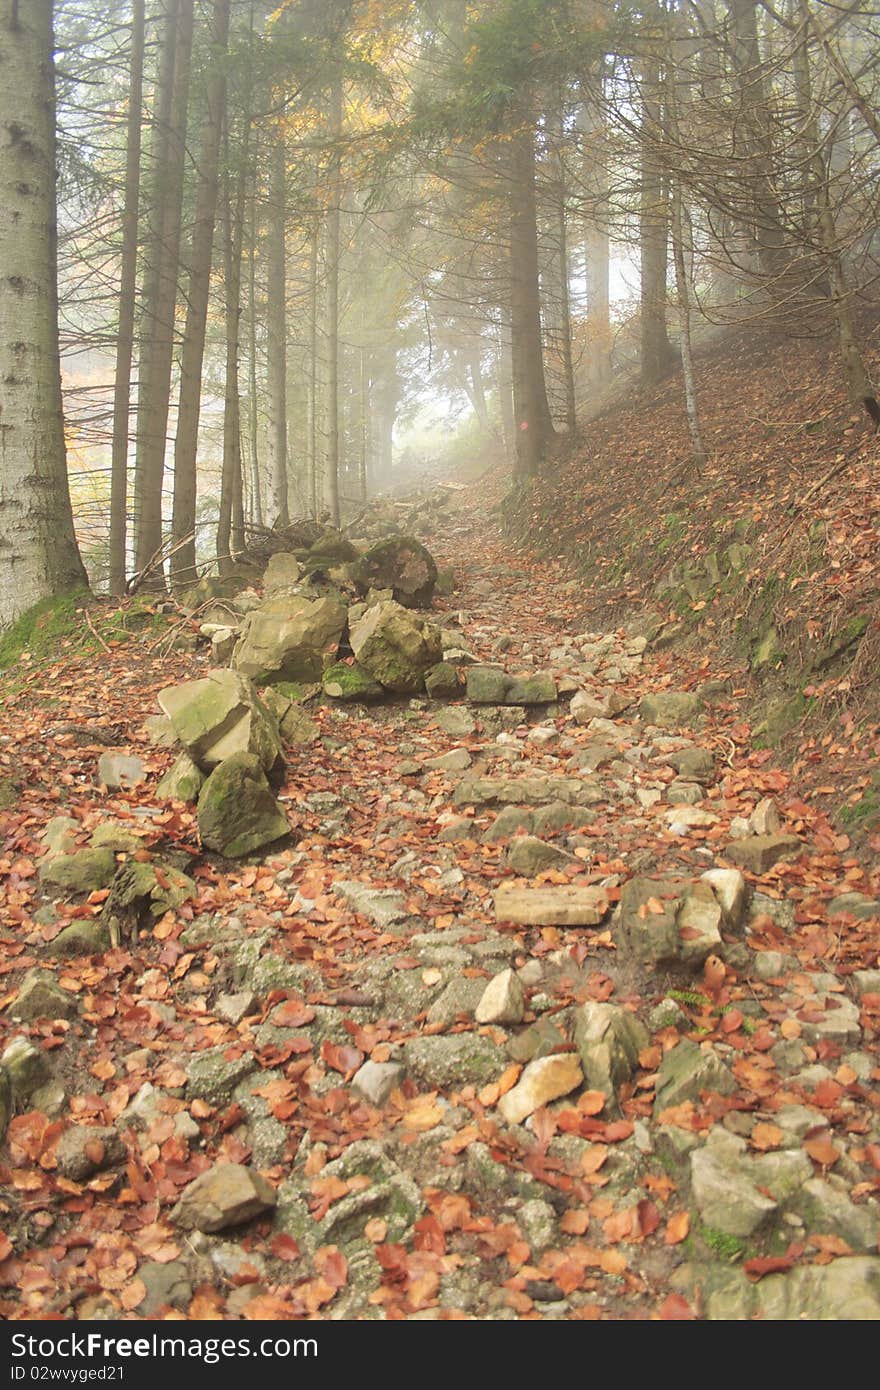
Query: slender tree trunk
x,y
127,297
314,472
754,119
160,289
597,252
276,321
531,411
231,518
858,380
333,213
183,560
364,408
253,422
656,355
565,304
38,554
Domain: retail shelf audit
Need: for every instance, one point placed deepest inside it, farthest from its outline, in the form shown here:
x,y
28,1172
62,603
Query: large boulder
x,y
221,715
237,812
290,638
395,646
401,564
282,572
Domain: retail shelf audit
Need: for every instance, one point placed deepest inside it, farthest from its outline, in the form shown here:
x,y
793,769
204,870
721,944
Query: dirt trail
x,y
312,1016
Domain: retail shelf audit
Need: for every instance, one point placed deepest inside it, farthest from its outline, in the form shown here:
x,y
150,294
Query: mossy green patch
x,y
42,629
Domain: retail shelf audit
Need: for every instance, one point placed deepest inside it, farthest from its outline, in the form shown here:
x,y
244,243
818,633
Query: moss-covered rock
x,y
221,715
290,639
401,564
182,782
84,871
237,812
396,647
344,682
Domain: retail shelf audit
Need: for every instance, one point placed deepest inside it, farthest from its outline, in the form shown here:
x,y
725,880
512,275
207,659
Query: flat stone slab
x,y
527,791
226,1195
563,906
758,853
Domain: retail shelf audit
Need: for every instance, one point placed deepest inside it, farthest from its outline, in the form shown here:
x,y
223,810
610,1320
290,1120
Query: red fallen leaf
x,y
677,1228
293,1013
731,1021
284,1247
429,1235
393,1259
332,1265
827,1094
616,1131
648,1217
767,1264
675,1308
341,1057
873,1153
822,1151
232,1116
5,1246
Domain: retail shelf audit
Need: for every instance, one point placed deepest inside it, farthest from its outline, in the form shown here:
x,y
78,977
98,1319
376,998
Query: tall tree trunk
x,y
314,472
364,410
276,321
766,217
230,519
565,303
531,411
333,213
253,422
597,252
38,554
656,352
127,296
183,560
160,287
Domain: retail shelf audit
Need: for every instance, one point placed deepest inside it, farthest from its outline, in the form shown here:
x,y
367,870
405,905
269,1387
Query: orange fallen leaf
x,y
677,1228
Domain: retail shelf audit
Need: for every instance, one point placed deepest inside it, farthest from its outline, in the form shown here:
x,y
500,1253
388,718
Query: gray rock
x,y
670,709
117,770
685,1072
282,572
167,1286
290,638
461,996
182,782
227,1195
212,1077
84,1150
381,906
693,764
40,997
507,823
530,856
726,1198
459,1060
609,1040
26,1066
855,904
219,716
502,1001
828,1210
441,681
527,791
237,812
487,685
456,721
84,871
758,853
396,646
539,689
456,760
375,1081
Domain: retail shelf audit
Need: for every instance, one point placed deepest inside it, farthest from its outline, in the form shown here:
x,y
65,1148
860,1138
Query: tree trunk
x,y
597,253
160,287
767,229
231,518
127,296
38,554
531,411
183,560
332,248
314,472
277,330
253,423
656,352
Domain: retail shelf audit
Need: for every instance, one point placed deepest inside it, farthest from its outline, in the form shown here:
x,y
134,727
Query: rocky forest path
x,y
562,1005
